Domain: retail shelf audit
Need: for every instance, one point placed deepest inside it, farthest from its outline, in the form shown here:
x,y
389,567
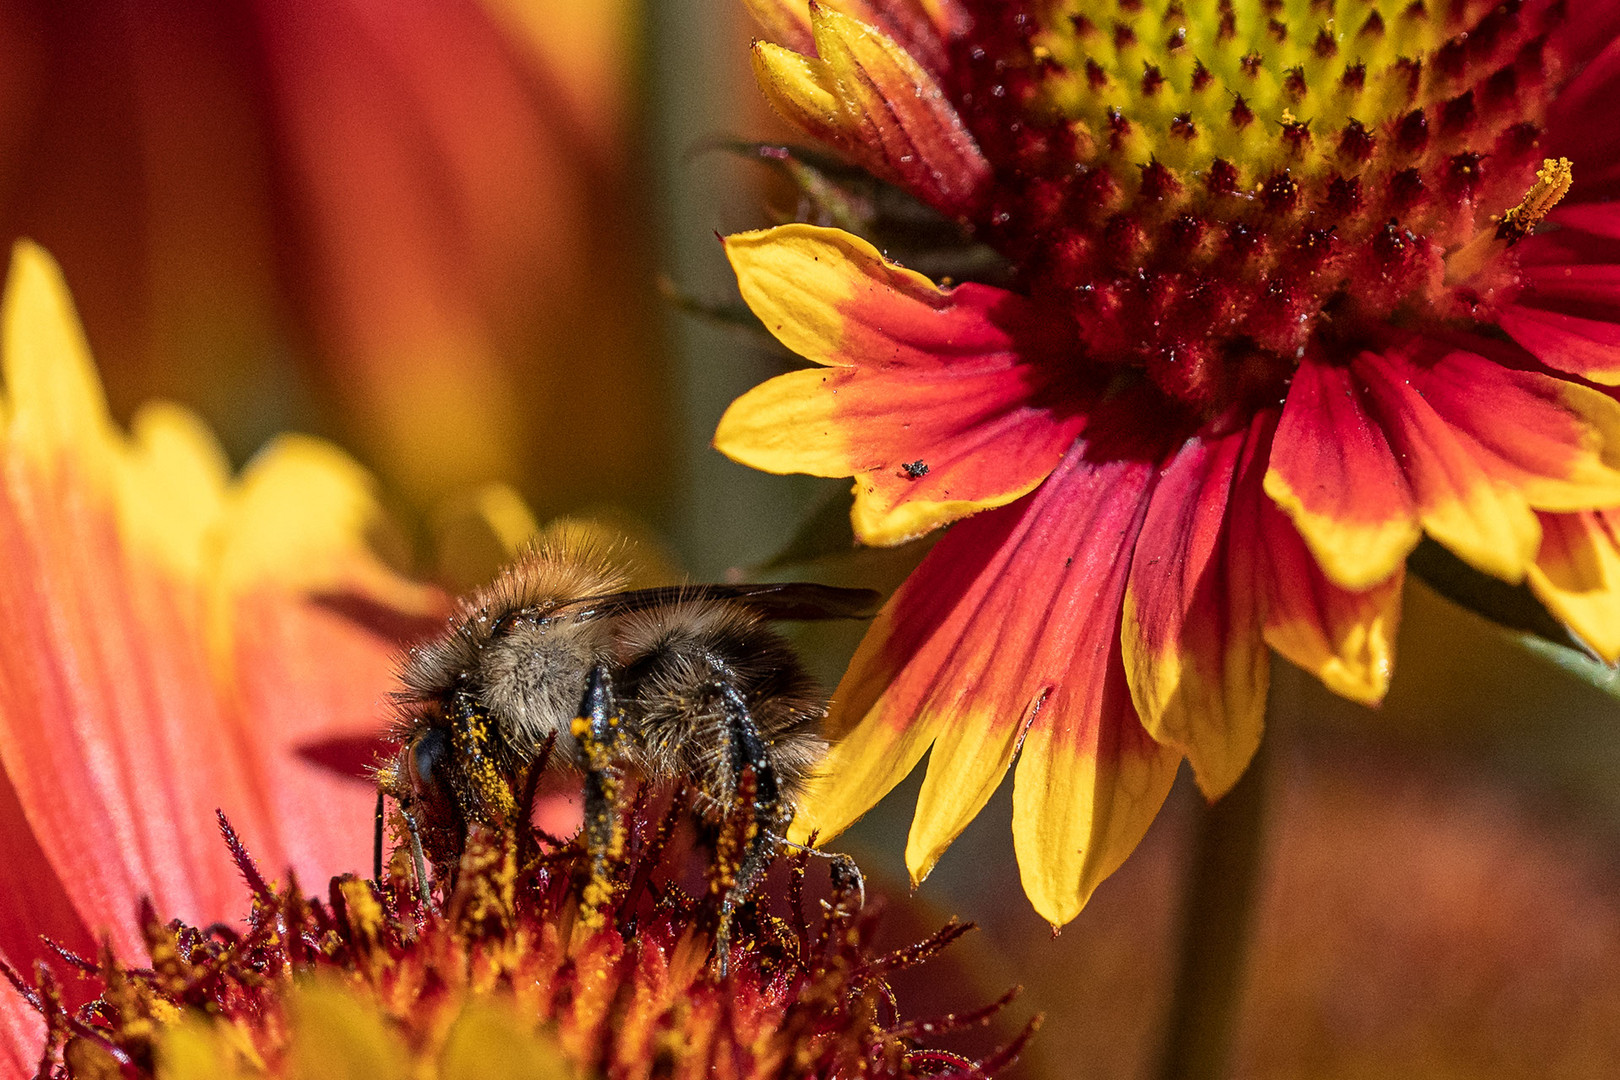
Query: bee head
x,y
453,771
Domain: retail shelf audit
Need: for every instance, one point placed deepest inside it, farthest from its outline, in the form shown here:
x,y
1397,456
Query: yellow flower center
x,y
1219,190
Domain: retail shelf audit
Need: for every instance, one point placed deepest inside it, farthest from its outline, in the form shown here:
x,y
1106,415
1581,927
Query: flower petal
x,y
1343,637
57,403
1090,779
961,655
935,407
1589,348
866,96
306,624
1556,441
1483,518
1577,575
1466,445
104,681
1191,627
22,1034
115,672
918,26
1085,794
1334,473
1570,129
1568,312
36,904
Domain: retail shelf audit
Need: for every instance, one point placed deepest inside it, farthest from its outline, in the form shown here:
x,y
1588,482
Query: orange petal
x,y
935,405
865,95
1191,627
1577,575
1334,473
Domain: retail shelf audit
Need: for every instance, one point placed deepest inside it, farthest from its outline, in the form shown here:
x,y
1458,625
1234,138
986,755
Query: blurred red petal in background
x,y
175,642
409,222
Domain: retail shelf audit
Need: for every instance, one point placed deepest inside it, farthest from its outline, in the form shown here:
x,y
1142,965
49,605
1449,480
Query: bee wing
x,y
792,600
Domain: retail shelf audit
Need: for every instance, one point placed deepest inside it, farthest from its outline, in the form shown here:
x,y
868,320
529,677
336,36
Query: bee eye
x,y
428,754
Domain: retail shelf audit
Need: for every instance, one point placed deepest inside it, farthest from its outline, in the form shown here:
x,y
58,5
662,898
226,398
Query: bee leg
x,y
600,732
846,875
748,751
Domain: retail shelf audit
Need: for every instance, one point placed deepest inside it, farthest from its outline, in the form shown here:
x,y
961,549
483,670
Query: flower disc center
x,y
1215,194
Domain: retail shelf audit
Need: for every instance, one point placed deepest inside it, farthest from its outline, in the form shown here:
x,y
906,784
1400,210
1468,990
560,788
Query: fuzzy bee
x,y
679,683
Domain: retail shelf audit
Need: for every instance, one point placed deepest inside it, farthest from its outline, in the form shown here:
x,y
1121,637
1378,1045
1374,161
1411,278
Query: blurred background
x,y
473,241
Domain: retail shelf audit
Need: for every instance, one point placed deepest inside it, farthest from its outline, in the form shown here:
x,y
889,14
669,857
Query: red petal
x,y
938,401
1475,511
1568,314
1589,348
22,1034
1192,631
869,98
1554,440
1333,471
1012,620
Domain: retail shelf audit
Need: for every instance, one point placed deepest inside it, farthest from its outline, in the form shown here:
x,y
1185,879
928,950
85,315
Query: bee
x,y
556,657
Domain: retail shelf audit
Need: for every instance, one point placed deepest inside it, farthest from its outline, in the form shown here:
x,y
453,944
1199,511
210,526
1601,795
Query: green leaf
x,y
1516,611
1512,607
1577,664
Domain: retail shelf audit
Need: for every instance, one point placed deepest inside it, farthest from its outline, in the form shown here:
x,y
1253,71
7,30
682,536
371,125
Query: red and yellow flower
x,y
175,642
1280,308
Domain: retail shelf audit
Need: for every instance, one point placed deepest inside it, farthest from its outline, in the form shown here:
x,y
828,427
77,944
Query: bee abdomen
x,y
677,661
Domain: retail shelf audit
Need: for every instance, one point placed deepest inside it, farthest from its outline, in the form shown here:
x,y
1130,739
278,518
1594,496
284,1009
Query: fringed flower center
x,y
511,976
1219,190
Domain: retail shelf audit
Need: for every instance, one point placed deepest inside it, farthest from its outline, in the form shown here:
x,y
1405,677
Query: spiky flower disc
x,y
506,980
1216,193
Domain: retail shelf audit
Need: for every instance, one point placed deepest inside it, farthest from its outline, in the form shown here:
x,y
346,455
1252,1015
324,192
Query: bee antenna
x,y
845,873
377,841
418,860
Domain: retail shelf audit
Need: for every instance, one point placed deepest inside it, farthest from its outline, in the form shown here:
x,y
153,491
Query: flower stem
x,y
1218,898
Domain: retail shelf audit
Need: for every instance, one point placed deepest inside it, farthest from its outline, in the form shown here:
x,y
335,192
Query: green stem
x,y
1219,892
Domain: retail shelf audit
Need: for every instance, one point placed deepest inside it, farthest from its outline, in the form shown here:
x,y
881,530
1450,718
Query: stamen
x,y
1553,181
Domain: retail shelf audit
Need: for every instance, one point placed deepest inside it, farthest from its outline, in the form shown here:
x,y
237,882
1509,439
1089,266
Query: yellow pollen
x,y
1552,183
